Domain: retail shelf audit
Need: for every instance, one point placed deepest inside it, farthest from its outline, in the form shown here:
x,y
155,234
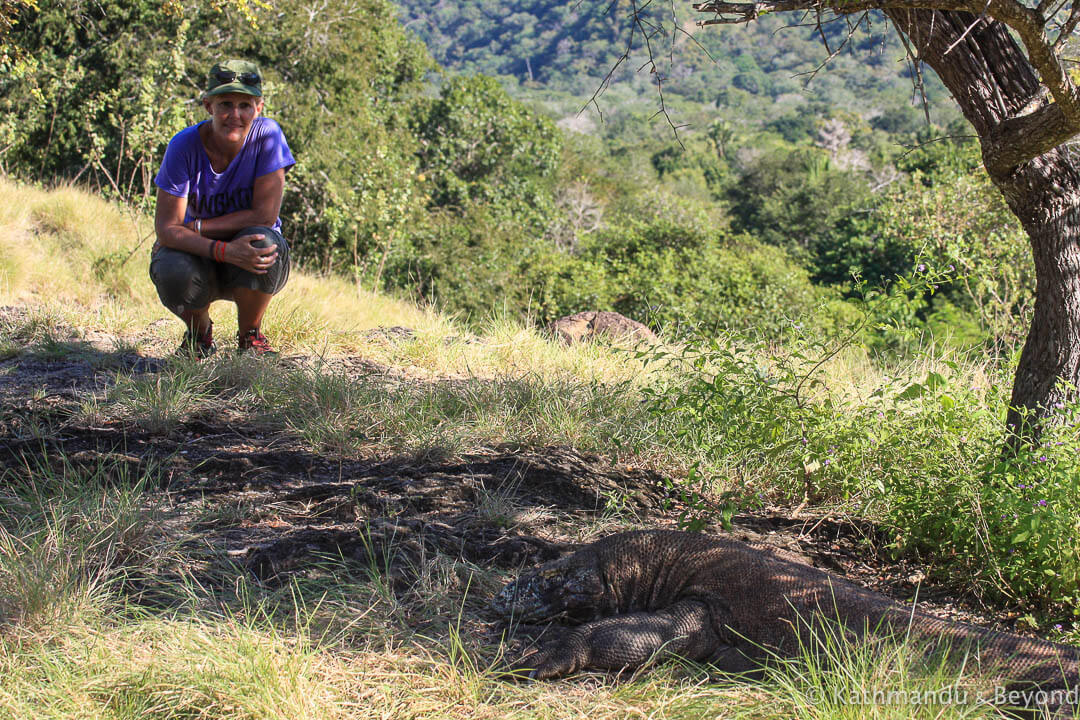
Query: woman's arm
x,y
170,228
265,206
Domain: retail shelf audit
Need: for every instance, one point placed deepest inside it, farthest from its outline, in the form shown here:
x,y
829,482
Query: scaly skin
x,y
649,594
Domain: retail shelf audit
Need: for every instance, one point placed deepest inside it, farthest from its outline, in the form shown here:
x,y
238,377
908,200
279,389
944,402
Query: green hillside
x,y
540,46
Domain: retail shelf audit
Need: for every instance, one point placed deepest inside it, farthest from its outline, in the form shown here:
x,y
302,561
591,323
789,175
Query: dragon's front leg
x,y
627,641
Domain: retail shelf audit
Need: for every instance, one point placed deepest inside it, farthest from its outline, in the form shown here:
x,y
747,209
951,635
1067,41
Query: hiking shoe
x,y
255,343
198,347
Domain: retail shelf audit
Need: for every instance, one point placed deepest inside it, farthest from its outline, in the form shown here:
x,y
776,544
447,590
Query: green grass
x,y
69,531
336,411
830,678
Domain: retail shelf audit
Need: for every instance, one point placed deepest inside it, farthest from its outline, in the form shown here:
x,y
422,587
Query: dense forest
x,y
442,155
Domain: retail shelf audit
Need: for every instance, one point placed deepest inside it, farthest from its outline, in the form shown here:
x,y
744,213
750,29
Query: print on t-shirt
x,y
221,203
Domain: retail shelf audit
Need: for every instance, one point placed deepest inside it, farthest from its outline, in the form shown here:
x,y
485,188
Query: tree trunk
x,y
1045,195
991,79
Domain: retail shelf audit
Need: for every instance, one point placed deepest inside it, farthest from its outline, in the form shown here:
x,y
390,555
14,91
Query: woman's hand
x,y
243,254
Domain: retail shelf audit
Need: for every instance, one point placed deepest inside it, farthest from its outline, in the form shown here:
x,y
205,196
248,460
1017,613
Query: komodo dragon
x,y
646,594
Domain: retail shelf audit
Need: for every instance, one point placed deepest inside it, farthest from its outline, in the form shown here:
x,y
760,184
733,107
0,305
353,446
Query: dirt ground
x,y
235,493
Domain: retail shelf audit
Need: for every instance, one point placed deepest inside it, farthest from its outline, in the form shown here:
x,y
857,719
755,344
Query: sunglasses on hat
x,y
224,77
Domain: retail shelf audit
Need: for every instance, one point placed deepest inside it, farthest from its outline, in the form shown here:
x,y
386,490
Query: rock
x,y
592,325
391,335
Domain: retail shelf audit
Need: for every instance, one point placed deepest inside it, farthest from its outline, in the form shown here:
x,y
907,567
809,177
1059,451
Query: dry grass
x,y
85,261
233,668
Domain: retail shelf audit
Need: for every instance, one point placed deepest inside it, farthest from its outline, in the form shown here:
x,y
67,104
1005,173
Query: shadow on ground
x,y
240,499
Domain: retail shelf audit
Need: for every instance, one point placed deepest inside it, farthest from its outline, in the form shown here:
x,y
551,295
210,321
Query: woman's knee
x,y
270,237
276,275
183,282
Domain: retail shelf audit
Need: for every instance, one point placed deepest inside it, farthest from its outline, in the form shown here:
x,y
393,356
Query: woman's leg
x,y
186,285
252,293
250,307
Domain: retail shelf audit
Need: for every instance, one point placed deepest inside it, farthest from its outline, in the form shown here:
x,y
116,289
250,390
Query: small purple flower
x,y
921,267
827,461
1043,458
952,267
1042,503
1057,626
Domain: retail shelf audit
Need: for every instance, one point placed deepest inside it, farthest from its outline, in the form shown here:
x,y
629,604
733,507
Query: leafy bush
x,y
479,144
794,199
949,214
674,275
91,99
920,451
470,260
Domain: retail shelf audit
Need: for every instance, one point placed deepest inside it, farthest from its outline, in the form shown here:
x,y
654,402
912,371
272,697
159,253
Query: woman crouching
x,y
218,231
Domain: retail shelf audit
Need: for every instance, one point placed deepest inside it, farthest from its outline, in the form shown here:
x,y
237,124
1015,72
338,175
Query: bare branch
x,y
908,149
640,23
678,29
917,79
832,53
821,32
611,72
1058,8
1068,28
970,27
647,29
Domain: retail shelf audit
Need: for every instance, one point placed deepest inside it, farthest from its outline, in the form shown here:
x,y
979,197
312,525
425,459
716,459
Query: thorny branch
x,y
820,26
641,25
917,82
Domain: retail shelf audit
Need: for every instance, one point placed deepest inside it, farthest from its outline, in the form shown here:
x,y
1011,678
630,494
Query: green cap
x,y
234,76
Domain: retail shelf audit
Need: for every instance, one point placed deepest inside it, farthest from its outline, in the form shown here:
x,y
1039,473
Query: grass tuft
x,y
68,532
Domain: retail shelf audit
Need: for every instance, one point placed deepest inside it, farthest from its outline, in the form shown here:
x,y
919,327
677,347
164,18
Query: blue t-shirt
x,y
186,170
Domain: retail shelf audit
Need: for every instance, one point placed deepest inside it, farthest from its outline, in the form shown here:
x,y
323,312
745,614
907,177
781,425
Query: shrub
x,y
675,275
920,452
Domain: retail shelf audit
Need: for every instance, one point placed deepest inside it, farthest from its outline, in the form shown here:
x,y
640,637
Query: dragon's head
x,y
570,587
